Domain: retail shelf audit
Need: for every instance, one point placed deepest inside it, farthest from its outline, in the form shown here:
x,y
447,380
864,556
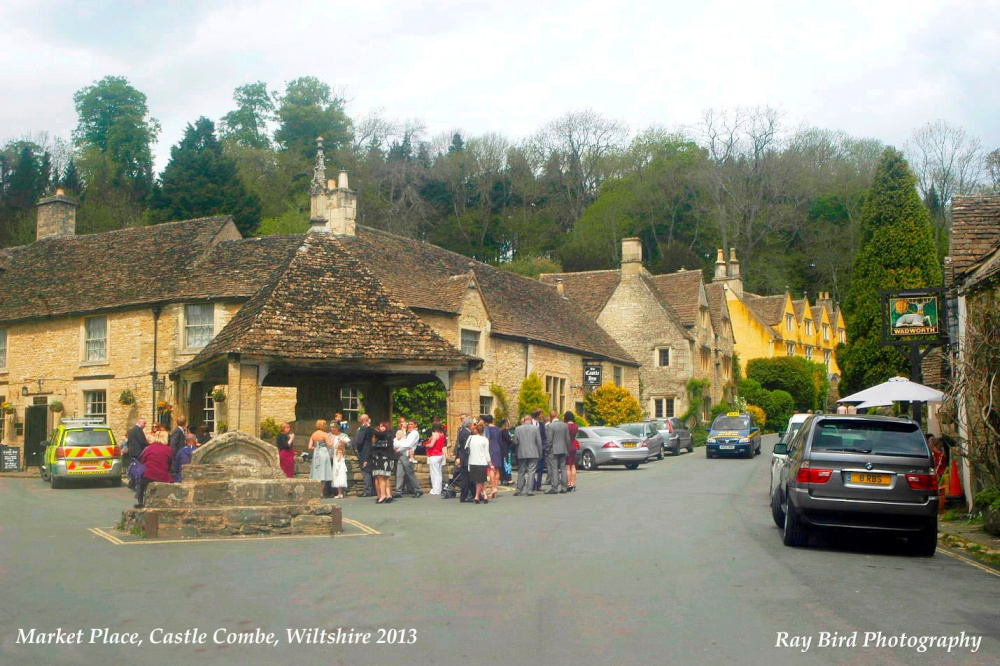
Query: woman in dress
x,y
506,452
479,461
339,441
383,463
322,464
574,445
286,455
435,457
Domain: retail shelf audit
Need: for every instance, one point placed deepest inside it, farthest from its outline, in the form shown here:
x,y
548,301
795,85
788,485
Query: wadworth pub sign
x,y
913,316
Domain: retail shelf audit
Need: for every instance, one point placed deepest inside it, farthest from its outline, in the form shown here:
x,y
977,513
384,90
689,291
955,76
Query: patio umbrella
x,y
897,389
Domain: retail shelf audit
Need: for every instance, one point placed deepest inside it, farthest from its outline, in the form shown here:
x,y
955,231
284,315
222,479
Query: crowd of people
x,y
484,456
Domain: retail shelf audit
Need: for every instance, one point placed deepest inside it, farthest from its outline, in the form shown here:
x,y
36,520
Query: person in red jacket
x,y
158,458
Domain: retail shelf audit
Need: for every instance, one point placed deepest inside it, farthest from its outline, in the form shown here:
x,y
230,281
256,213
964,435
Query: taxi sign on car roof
x,y
732,413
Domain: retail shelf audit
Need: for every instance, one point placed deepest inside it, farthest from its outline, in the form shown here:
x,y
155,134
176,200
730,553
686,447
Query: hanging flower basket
x,y
164,407
55,407
218,395
6,408
222,426
126,398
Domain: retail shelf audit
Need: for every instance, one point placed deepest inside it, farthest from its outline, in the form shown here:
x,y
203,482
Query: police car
x,y
82,449
735,434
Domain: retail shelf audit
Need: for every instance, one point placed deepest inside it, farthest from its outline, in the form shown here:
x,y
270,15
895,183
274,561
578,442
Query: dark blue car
x,y
733,434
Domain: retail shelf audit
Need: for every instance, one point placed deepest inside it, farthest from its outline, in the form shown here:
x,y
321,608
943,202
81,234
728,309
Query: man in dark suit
x,y
177,436
462,460
555,457
135,440
363,445
528,448
537,419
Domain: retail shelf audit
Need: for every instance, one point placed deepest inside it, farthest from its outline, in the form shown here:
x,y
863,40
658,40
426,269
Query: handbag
x,y
135,471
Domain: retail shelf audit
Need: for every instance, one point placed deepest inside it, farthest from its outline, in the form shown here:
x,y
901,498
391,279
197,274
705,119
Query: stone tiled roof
x,y
666,306
136,266
518,307
718,308
975,228
326,304
589,290
683,291
769,309
800,308
817,315
934,367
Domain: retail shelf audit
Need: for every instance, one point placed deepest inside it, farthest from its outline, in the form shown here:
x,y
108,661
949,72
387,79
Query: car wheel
x,y
677,449
631,465
659,456
776,511
588,461
116,482
795,534
708,452
55,481
750,452
41,472
924,544
691,447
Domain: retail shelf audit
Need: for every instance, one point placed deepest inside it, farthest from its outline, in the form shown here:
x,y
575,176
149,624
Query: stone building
x,y
772,326
292,327
669,323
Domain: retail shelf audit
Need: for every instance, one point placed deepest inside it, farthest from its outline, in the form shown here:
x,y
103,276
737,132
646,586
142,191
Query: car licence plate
x,y
867,479
630,445
727,447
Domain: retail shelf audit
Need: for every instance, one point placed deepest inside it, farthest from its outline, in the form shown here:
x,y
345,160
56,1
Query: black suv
x,y
856,472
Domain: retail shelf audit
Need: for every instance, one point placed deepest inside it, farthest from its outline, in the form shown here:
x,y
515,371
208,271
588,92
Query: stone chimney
x,y
56,216
631,256
560,287
331,201
720,265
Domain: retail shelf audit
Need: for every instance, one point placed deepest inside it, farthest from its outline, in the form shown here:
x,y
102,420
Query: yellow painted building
x,y
773,326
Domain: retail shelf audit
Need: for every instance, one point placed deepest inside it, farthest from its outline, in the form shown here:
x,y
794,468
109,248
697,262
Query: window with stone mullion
x,y
3,347
199,325
96,329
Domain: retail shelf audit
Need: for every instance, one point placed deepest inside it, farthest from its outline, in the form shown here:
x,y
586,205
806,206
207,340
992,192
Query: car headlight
x,y
744,440
710,440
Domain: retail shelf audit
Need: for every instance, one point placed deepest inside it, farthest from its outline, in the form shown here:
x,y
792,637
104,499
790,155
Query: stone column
x,y
243,397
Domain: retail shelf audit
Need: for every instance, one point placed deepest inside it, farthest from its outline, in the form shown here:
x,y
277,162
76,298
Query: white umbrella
x,y
897,389
880,402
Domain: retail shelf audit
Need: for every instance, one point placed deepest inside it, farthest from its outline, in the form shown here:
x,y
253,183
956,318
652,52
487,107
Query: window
x,y
809,326
727,368
826,332
3,419
95,339
663,408
826,359
209,411
619,373
3,347
789,322
350,403
470,342
556,388
809,353
706,359
842,334
96,404
790,348
485,404
199,325
662,357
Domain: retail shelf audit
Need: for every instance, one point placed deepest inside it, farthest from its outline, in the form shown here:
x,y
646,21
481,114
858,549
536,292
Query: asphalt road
x,y
677,562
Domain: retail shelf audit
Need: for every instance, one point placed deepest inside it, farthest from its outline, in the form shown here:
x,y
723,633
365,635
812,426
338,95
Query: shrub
x,y
779,407
759,415
804,380
531,396
269,428
611,404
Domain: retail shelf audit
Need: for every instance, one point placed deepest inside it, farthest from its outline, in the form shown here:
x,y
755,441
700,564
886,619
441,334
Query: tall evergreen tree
x,y
309,110
897,252
200,180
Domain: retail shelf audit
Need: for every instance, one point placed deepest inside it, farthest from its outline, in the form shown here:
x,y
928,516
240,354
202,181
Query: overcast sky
x,y
872,68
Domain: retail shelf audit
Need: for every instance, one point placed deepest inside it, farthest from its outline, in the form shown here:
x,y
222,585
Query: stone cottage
x,y
669,323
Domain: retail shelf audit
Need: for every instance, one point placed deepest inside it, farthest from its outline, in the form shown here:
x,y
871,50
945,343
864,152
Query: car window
x,y
583,434
890,438
87,438
629,428
611,432
731,423
677,424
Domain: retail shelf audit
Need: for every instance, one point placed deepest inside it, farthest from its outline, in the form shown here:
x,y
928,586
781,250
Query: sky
x,y
872,68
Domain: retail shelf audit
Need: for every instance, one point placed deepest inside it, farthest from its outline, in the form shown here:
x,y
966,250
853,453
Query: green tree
x,y
115,135
308,110
532,395
611,404
897,252
246,126
792,374
200,181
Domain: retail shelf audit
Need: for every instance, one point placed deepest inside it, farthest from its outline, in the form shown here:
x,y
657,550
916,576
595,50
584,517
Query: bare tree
x,y
993,169
945,158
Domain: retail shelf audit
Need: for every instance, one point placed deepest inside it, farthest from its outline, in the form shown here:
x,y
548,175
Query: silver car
x,y
601,445
858,472
650,432
676,435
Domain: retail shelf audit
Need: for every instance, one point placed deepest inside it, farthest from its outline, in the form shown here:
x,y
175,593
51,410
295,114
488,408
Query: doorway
x,y
36,422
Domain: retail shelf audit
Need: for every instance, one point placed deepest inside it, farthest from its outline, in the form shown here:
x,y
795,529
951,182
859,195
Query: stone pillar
x,y
720,265
463,397
243,397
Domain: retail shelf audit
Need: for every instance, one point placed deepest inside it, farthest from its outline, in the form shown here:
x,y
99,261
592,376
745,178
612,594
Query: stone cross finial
x,y
319,171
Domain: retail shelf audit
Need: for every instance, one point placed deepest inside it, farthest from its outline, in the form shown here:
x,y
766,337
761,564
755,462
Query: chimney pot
x,y
560,287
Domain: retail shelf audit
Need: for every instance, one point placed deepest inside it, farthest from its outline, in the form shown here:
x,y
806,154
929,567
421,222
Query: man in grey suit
x,y
557,433
528,445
